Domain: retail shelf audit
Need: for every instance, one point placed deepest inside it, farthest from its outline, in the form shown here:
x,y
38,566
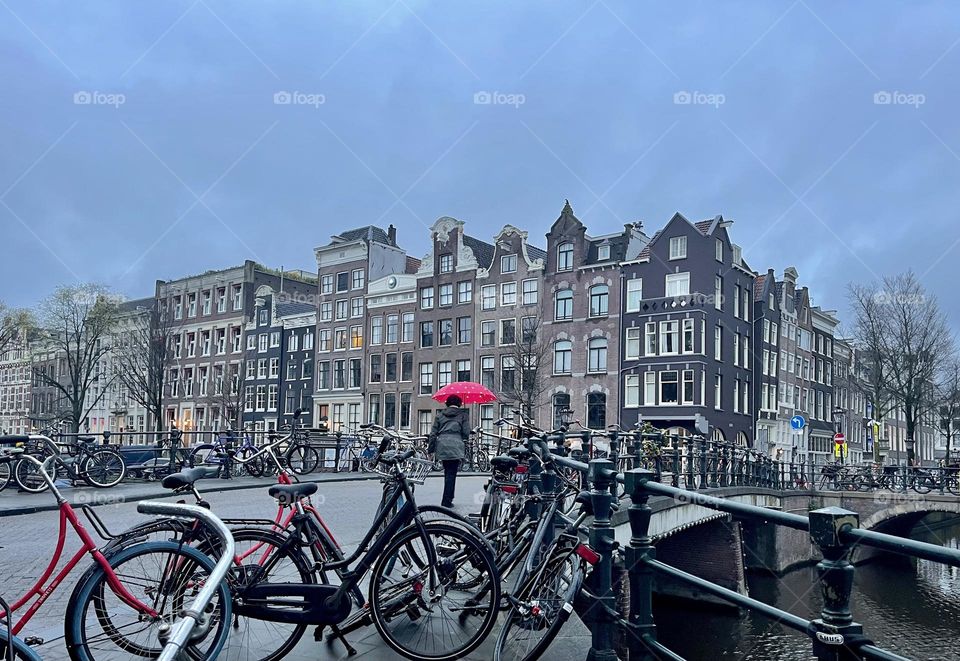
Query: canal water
x,y
909,607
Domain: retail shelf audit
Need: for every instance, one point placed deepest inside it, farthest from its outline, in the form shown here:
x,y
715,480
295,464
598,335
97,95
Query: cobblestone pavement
x,y
27,540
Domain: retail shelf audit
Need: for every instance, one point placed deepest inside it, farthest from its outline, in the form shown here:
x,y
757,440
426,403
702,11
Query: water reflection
x,y
910,608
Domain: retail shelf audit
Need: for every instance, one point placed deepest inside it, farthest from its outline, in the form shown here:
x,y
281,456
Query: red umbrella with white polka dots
x,y
468,391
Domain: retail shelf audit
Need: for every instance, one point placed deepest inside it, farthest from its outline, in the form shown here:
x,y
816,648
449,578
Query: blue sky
x,y
148,140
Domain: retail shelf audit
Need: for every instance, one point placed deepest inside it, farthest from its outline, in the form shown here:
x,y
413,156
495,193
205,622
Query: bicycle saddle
x,y
520,454
186,478
10,439
288,493
505,464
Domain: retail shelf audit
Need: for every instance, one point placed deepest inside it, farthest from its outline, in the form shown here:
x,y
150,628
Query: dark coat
x,y
451,429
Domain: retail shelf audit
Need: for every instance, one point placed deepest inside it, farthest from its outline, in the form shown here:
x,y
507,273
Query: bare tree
x,y
14,324
143,353
905,337
532,369
75,323
948,387
227,394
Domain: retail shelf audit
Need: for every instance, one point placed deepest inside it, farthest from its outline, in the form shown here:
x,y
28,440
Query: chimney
x,y
392,235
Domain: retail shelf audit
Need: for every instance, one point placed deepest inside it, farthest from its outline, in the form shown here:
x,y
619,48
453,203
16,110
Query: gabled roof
x,y
645,253
758,283
704,226
291,308
136,304
368,233
481,249
536,253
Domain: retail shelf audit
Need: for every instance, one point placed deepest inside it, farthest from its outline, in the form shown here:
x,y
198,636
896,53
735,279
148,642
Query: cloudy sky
x,y
155,140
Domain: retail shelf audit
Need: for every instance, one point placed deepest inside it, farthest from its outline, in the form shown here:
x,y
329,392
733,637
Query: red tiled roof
x,y
413,265
704,226
645,253
758,287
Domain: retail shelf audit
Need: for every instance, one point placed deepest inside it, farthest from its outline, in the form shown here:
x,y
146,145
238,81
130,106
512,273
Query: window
x,y
746,304
530,292
340,374
463,370
356,337
718,343
508,264
326,311
561,405
565,257
272,397
678,247
508,331
464,291
426,378
632,349
562,357
678,284
444,373
563,305
207,300
323,343
355,373
262,340
528,330
688,335
650,388
343,281
597,410
736,396
177,307
599,301
408,325
736,300
405,399
718,292
326,284
406,366
719,250
389,410
446,294
446,332
717,392
426,334
275,339
634,294
464,330
488,333
261,398
274,368
597,355
426,298
603,252
650,343
446,263
488,297
507,373
487,369
342,309
631,390
192,305
668,387
291,371
293,341
376,368
736,349
424,422
376,330
374,410
687,387
356,307
508,293
262,368
307,340
669,337
357,279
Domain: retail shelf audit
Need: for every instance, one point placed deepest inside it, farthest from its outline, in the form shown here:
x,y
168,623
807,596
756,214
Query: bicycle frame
x,y
42,590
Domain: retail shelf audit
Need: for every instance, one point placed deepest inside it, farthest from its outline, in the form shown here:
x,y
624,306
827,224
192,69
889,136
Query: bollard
x,y
640,625
601,617
835,629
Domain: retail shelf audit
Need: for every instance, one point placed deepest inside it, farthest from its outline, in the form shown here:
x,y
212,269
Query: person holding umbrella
x,y
451,429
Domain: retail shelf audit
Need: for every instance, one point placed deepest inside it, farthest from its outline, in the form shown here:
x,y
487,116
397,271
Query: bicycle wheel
x,y
424,611
260,557
203,454
540,608
303,458
923,483
28,477
21,651
103,468
163,575
5,473
238,469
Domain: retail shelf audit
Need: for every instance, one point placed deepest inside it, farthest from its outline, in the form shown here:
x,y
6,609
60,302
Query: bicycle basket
x,y
416,469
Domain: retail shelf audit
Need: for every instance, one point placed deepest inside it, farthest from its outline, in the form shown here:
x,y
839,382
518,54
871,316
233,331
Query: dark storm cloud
x,y
156,140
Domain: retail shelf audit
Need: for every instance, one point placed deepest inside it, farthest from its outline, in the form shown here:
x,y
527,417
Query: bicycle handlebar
x,y
181,632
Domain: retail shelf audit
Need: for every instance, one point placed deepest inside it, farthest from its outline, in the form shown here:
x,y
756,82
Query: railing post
x,y
688,480
836,623
675,447
703,464
714,464
601,617
641,624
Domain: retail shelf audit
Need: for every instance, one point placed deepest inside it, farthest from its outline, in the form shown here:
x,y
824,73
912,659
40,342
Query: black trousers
x,y
450,469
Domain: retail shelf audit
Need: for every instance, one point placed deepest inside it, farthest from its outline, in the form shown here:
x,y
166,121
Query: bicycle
x,y
84,460
108,597
157,461
216,454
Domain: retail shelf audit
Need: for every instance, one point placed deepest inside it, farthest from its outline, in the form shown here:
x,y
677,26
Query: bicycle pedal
x,y
33,641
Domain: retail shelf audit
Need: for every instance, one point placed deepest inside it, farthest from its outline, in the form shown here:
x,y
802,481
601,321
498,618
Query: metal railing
x,y
835,531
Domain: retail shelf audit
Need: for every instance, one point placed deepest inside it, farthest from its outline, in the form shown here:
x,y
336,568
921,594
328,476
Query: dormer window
x,y
446,263
603,252
678,247
565,257
508,264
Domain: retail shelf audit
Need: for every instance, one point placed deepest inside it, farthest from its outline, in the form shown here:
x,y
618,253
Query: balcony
x,y
695,301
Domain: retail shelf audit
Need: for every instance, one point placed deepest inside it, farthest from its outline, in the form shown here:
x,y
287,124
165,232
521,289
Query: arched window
x,y
597,410
597,355
742,439
562,357
599,301
563,305
561,404
718,436
565,257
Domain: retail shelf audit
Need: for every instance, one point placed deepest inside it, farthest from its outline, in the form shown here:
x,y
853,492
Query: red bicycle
x,y
123,599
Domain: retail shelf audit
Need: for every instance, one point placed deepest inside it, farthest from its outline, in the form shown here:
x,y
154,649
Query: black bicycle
x,y
83,460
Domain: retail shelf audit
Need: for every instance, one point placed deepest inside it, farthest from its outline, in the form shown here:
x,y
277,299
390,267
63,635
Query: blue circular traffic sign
x,y
798,422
